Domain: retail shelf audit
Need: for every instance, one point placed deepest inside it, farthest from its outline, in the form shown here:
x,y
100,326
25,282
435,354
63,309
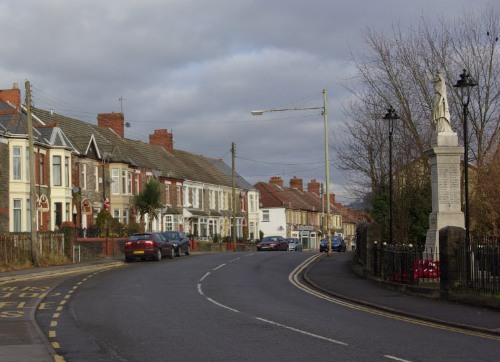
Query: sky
x,y
199,67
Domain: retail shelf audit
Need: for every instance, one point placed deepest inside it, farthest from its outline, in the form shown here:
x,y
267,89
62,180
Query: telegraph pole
x,y
33,210
233,177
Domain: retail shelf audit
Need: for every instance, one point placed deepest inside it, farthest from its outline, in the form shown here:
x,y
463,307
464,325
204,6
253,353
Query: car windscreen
x,y
270,239
140,237
171,236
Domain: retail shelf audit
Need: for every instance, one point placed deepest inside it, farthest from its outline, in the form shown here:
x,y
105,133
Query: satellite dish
x,y
75,189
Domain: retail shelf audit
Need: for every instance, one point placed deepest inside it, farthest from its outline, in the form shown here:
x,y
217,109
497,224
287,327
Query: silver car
x,y
294,244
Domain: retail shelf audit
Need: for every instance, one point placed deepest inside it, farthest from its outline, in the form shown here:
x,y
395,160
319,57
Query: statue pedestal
x,y
444,160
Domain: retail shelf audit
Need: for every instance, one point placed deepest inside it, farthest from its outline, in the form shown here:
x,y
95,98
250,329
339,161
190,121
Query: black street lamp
x,y
391,116
464,84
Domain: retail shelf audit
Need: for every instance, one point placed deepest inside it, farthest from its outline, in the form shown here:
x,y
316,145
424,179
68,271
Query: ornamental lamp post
x,y
464,85
327,163
391,116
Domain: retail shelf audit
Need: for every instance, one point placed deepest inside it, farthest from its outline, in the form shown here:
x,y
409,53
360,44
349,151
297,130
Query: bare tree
x,y
397,71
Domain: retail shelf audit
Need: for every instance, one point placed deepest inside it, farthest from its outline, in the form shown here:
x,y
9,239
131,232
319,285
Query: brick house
x,y
82,168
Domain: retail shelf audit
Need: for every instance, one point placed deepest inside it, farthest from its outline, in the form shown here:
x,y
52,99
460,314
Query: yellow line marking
x,y
58,358
55,315
293,278
53,323
62,302
52,334
59,309
55,345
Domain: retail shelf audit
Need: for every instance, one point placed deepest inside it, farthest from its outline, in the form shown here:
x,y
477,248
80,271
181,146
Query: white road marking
x,y
223,306
302,332
396,358
220,266
203,277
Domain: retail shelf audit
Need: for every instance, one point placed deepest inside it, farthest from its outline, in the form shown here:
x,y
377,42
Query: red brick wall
x,y
296,183
163,138
11,95
115,121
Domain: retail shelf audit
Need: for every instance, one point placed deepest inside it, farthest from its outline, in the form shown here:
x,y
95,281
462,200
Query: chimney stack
x,y
13,96
115,121
163,138
276,180
296,183
314,187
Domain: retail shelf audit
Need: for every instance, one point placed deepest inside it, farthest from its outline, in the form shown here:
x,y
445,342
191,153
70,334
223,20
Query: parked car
x,y
147,246
337,244
272,243
294,244
178,240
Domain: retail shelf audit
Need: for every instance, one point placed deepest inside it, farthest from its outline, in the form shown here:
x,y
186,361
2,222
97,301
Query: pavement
x,y
334,275
23,340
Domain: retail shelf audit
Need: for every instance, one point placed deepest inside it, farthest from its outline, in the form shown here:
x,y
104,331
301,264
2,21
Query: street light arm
x,y
260,112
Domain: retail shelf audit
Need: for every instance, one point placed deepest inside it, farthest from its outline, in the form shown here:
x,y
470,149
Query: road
x,y
232,307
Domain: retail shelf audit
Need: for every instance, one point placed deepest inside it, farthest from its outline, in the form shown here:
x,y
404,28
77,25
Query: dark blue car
x,y
337,244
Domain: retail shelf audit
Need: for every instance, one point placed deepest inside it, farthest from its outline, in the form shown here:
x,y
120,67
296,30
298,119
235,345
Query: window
x,y
16,163
211,199
56,170
27,164
68,209
58,213
179,195
171,223
125,217
167,193
28,215
186,196
41,167
115,179
129,183
17,215
124,182
252,203
137,189
96,178
116,214
195,198
265,215
83,181
66,170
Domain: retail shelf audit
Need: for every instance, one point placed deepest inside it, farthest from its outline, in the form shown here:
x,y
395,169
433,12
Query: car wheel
x,y
172,253
187,251
158,255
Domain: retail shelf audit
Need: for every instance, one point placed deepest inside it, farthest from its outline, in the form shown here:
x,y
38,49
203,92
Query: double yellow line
x,y
295,279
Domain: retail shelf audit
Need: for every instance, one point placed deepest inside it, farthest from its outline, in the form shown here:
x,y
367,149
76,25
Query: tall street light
x,y
464,84
327,158
391,116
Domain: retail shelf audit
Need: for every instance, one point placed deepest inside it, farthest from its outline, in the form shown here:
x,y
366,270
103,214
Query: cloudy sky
x,y
198,67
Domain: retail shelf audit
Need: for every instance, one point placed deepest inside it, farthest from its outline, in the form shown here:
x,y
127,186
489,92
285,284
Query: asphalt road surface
x,y
232,307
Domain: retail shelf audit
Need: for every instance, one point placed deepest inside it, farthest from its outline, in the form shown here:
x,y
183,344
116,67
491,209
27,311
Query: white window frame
x,y
67,172
115,181
17,215
83,182
124,182
168,200
265,216
57,171
179,195
96,178
17,163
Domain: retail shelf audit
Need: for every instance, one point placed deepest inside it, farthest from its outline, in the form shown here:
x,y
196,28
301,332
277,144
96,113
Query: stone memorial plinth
x,y
444,160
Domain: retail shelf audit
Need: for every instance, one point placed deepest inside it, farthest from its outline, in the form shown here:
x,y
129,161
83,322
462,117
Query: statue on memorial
x,y
440,112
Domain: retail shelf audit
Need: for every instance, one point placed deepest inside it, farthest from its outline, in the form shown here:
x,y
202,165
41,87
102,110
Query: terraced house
x,y
82,168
